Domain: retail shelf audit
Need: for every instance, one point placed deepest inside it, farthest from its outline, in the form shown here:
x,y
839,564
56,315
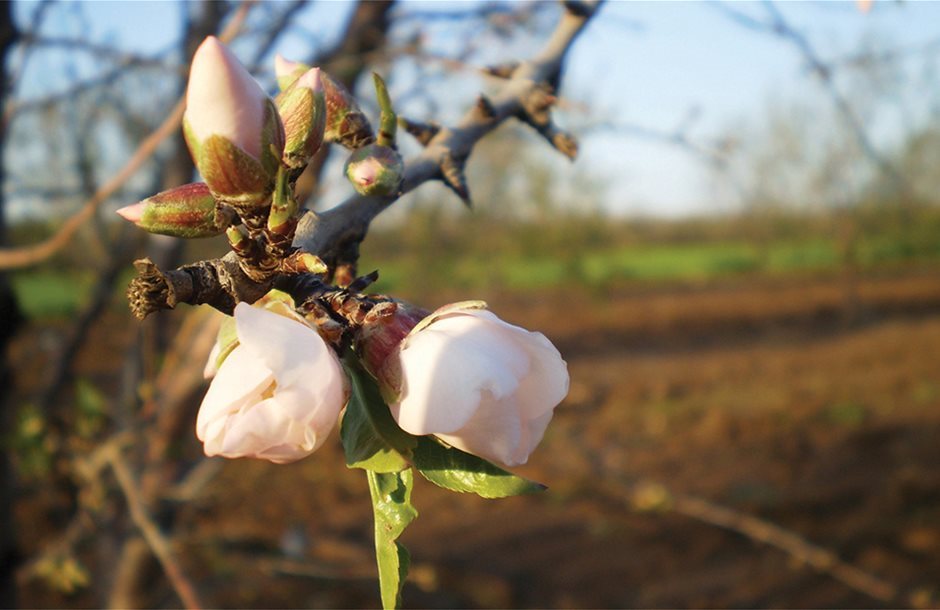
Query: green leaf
x,y
371,438
391,505
456,470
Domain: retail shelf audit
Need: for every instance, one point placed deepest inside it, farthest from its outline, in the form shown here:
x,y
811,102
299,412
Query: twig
x,y
152,534
36,253
330,233
652,496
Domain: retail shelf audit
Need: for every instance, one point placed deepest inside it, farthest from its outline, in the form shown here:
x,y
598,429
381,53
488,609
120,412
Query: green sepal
x,y
227,340
283,203
303,113
459,471
233,175
388,120
371,438
187,211
393,511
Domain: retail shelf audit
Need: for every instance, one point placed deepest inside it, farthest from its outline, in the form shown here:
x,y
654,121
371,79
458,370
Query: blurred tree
x,y
9,321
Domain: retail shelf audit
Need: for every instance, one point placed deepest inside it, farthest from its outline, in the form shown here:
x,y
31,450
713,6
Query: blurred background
x,y
741,269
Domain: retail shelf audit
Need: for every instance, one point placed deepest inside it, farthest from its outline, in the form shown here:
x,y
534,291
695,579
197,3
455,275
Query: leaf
x,y
456,470
391,505
371,438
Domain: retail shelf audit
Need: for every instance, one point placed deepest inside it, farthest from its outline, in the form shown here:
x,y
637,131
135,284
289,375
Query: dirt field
x,y
774,399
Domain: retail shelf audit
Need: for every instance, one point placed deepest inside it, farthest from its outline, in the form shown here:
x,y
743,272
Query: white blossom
x,y
278,393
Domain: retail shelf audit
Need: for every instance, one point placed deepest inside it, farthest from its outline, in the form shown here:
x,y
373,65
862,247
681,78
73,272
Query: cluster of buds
x,y
459,373
250,149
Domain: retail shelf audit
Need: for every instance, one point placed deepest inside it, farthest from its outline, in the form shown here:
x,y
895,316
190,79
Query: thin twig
x,y
152,534
30,255
653,496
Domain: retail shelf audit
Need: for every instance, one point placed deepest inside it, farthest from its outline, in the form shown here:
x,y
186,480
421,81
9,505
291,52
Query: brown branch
x,y
30,255
335,235
652,496
330,234
152,534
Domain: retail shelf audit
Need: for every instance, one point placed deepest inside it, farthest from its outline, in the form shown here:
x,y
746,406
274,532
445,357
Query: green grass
x,y
521,259
51,294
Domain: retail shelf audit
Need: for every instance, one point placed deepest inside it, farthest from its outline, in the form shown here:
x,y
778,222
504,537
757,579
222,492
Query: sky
x,y
647,64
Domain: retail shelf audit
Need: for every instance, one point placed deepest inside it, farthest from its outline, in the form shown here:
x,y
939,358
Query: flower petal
x,y
240,381
447,366
494,432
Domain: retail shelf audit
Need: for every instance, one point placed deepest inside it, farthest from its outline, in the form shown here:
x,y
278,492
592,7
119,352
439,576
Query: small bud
x,y
287,71
345,122
375,170
302,107
231,126
185,211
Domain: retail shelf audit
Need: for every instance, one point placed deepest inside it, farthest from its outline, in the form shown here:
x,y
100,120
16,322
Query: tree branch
x,y
13,258
332,235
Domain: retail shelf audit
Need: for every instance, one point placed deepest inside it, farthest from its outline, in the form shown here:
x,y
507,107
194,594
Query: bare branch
x,y
30,255
327,234
152,534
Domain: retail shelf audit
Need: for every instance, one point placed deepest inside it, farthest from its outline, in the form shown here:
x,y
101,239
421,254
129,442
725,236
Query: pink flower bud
x,y
303,113
375,170
474,381
185,211
277,395
230,125
287,71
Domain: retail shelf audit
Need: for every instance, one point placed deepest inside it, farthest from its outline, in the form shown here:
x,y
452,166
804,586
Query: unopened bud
x,y
287,71
345,122
302,107
231,127
378,340
185,211
375,170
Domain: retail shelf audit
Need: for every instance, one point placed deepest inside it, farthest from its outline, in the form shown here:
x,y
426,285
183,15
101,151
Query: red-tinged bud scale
x,y
379,338
345,122
185,211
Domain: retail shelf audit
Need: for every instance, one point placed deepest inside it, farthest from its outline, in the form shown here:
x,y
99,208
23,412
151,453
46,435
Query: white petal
x,y
291,349
493,433
256,429
241,380
211,369
546,385
532,433
446,367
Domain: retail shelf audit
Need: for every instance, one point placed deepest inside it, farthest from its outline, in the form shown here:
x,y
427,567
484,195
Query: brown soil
x,y
809,405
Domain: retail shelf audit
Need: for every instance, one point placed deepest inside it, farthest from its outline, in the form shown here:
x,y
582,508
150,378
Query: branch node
x,y
502,70
422,132
485,108
452,171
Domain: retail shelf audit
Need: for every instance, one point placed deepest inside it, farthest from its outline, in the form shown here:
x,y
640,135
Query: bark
x,y
10,319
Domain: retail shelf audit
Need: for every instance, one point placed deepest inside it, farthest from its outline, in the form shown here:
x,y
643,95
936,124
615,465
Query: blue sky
x,y
640,63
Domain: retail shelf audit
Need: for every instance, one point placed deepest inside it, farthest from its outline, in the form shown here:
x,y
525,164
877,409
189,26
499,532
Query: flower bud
x,y
375,170
345,122
303,112
477,383
287,71
185,211
231,126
